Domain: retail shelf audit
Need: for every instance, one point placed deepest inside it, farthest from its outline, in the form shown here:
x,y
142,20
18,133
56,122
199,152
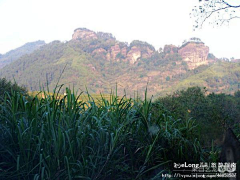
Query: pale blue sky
x,y
158,22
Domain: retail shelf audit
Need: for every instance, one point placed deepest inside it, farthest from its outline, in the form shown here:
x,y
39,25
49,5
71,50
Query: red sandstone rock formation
x,y
99,53
83,33
133,55
195,54
115,50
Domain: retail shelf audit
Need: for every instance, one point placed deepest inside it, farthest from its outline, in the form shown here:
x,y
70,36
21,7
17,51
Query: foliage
x,y
221,77
213,113
211,56
167,78
15,54
54,137
141,44
7,87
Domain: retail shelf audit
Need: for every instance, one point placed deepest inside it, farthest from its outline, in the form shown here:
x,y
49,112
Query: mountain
x,y
98,61
13,55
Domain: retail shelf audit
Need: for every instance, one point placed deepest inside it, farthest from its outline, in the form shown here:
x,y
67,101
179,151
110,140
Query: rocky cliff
x,y
194,53
105,46
83,33
111,49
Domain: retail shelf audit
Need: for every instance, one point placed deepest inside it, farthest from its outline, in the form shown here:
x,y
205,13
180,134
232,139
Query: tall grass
x,y
62,137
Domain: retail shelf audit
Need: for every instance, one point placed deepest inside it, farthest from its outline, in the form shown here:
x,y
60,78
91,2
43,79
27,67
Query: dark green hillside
x,y
13,55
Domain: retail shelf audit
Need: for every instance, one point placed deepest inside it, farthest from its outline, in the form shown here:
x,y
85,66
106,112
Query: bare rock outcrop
x,y
83,33
115,50
139,50
128,54
99,53
105,46
194,53
133,55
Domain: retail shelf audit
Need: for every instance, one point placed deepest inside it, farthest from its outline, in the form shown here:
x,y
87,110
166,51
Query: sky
x,y
158,22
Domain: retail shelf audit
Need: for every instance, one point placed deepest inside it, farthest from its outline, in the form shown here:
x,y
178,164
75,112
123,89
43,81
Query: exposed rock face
x,y
195,54
116,53
139,50
83,33
129,54
133,55
124,51
147,52
99,53
108,56
107,47
115,50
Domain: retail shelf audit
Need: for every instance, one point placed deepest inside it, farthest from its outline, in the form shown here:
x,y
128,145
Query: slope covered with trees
x,y
13,55
98,61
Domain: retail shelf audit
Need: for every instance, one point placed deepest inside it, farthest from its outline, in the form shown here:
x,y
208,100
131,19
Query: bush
x,y
9,88
167,78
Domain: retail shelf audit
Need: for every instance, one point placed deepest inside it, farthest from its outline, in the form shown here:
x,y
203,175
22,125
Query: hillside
x,y
98,61
13,55
220,77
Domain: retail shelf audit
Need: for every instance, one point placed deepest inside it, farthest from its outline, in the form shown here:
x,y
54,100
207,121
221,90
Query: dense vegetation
x,y
62,137
8,88
214,113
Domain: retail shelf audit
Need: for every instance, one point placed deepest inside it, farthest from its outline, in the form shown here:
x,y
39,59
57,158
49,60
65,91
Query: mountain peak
x,y
194,52
83,33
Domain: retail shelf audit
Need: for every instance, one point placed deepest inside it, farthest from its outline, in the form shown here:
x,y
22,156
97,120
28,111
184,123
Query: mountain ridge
x,y
14,54
98,61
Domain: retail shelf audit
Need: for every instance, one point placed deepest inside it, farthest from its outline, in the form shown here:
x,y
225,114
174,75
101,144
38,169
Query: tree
x,y
167,78
218,12
9,87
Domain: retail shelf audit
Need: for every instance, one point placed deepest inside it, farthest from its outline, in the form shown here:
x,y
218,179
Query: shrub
x,y
167,78
9,87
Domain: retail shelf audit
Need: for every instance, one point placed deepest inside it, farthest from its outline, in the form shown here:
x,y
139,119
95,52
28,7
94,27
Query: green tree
x,y
9,87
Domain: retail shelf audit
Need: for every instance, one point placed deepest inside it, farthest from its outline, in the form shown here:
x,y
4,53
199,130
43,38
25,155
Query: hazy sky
x,y
157,22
